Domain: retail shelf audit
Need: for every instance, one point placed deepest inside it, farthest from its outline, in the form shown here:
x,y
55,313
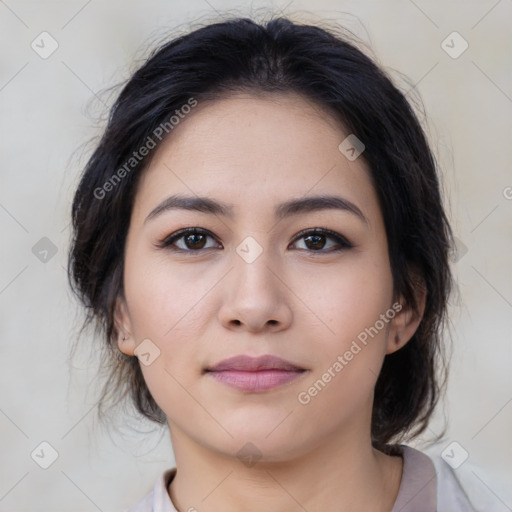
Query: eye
x,y
315,240
195,239
189,240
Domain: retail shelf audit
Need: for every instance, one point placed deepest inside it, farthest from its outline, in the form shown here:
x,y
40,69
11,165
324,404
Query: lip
x,y
255,374
254,364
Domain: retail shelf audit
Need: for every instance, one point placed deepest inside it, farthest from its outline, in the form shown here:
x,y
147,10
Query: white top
x,y
422,489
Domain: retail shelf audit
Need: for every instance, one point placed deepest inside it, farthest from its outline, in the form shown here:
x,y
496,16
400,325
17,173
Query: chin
x,y
255,448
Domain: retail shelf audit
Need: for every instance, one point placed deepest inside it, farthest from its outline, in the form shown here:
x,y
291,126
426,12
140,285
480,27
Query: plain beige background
x,y
46,119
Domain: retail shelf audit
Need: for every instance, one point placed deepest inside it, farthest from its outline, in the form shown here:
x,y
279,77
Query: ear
x,y
406,321
123,328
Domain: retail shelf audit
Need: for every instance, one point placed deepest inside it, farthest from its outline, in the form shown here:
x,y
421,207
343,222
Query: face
x,y
311,285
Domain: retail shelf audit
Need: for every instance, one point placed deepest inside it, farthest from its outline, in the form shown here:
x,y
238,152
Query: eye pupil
x,y
194,238
317,239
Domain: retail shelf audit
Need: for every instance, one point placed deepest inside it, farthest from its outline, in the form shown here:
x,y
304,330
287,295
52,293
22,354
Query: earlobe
x,y
125,340
126,345
406,321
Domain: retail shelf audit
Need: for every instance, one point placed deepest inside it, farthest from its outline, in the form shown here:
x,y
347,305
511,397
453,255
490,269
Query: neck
x,y
336,475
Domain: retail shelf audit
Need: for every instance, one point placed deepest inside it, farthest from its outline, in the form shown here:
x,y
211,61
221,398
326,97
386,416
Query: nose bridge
x,y
257,297
253,262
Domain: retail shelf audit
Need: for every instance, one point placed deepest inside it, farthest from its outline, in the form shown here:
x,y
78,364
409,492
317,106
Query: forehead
x,y
252,151
241,126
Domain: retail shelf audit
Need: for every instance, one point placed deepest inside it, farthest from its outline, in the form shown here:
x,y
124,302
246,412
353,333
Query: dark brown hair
x,y
282,56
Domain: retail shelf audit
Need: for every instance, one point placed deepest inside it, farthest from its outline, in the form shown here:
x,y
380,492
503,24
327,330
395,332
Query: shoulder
x,y
158,499
450,494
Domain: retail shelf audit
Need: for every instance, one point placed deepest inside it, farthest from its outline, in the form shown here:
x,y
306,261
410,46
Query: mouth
x,y
255,374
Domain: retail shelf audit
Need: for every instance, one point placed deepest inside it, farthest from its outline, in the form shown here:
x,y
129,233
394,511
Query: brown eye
x,y
315,240
187,240
195,241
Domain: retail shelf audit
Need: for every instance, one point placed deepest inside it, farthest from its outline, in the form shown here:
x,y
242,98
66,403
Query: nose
x,y
255,297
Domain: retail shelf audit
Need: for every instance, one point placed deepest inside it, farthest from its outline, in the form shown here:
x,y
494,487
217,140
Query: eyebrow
x,y
287,209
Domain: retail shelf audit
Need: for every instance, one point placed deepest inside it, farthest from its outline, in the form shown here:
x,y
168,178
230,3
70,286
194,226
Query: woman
x,y
261,237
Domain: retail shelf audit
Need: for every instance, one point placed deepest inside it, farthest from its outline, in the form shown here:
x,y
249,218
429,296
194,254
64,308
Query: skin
x,y
297,300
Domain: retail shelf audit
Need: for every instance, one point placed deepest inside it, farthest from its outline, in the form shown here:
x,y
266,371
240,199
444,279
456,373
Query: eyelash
x,y
167,243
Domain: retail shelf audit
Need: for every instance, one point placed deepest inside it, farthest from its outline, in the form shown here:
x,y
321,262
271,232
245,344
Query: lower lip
x,y
262,380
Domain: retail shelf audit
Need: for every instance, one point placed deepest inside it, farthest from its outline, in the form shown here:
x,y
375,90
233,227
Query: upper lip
x,y
254,364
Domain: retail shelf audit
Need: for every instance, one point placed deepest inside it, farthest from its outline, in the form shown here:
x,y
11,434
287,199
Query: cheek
x,y
348,305
165,300
347,299
166,307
